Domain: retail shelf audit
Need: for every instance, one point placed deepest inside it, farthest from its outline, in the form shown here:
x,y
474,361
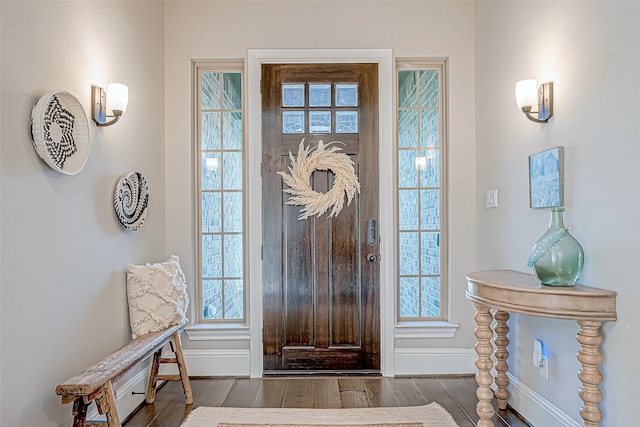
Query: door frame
x,y
384,59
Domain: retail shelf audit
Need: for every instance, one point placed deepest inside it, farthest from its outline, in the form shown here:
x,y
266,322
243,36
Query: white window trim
x,y
389,328
224,66
426,328
217,332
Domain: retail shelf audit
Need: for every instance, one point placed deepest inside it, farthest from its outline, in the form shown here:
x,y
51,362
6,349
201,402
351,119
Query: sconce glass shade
x,y
534,99
527,93
117,98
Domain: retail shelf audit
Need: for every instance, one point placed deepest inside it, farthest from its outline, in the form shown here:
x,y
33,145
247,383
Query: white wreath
x,y
321,158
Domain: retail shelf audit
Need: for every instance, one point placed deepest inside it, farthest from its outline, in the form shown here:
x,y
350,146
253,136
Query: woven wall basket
x,y
60,132
131,200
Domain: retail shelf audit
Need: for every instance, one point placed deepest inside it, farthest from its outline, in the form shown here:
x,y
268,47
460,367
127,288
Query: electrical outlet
x,y
543,370
540,359
491,198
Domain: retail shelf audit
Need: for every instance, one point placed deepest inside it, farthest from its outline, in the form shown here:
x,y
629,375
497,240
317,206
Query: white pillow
x,y
157,295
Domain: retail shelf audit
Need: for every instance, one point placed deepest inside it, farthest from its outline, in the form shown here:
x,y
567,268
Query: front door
x,y
320,275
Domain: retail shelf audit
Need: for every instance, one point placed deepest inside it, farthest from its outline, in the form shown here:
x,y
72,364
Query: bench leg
x,y
113,420
79,412
105,399
106,403
153,377
182,368
183,376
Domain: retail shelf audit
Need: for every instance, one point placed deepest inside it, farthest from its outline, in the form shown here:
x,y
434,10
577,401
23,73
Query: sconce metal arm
x,y
527,112
98,99
545,104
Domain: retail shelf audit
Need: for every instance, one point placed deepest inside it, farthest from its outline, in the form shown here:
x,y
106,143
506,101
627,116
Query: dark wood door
x,y
320,275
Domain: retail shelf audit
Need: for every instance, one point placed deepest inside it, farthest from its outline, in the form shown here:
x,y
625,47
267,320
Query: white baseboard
x,y
213,363
534,408
439,361
126,401
408,361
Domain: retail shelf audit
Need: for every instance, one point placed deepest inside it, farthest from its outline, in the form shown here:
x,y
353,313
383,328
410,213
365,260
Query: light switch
x,y
491,198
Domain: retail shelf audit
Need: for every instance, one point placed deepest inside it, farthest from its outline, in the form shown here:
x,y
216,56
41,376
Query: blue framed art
x,y
546,178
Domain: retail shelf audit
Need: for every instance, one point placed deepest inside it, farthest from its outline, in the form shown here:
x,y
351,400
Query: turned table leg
x,y
502,341
590,358
484,349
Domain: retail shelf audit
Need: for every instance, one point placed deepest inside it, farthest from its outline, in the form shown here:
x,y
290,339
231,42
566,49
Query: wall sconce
x,y
115,98
534,99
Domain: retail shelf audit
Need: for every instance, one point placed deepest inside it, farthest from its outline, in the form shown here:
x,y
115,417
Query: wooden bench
x,y
96,382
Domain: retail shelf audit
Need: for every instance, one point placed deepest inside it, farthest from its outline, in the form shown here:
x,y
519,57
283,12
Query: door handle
x,y
371,257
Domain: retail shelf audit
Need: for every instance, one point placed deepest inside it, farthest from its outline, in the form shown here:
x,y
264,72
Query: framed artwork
x,y
546,178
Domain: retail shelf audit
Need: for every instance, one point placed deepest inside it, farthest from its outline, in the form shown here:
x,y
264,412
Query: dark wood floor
x,y
457,394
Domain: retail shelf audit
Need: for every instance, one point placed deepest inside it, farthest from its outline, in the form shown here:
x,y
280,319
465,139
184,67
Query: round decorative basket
x,y
131,200
60,132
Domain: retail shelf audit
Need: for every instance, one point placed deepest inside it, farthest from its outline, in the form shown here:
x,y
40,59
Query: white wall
x,y
589,50
64,254
226,29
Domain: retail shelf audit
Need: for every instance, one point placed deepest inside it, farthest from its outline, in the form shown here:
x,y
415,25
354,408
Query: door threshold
x,y
322,372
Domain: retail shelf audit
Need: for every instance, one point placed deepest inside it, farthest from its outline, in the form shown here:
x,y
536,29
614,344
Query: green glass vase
x,y
557,258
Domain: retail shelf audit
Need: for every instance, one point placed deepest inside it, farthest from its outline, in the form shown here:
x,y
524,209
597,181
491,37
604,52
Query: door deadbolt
x,y
372,232
371,257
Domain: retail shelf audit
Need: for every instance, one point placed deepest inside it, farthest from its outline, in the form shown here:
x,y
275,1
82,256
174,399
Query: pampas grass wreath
x,y
323,157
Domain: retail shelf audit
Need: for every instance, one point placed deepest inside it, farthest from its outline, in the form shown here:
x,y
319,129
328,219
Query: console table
x,y
508,291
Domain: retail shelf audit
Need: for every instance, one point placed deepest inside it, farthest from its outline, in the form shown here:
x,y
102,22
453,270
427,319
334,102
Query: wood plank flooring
x,y
457,394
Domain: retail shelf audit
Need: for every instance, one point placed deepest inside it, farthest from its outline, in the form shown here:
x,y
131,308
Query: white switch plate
x,y
491,198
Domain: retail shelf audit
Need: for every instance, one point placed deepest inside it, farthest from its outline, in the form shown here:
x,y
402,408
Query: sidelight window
x,y
421,191
219,182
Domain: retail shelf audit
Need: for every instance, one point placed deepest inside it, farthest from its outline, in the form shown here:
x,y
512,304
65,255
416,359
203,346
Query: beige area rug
x,y
431,415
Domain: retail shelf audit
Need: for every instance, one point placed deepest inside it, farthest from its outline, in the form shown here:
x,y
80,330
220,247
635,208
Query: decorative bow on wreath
x,y
323,158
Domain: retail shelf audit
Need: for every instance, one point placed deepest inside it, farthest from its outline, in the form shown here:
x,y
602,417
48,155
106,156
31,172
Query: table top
x,y
518,292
